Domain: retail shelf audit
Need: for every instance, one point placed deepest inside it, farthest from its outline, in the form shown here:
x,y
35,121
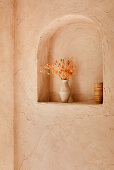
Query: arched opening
x,y
77,37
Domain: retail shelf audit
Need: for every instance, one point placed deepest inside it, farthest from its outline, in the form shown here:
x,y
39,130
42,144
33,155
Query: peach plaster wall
x,y
59,136
6,85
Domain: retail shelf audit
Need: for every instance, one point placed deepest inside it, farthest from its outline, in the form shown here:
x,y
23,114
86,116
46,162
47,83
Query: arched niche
x,y
45,52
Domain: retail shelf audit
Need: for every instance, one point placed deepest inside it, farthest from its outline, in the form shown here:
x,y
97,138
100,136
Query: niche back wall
x,y
82,43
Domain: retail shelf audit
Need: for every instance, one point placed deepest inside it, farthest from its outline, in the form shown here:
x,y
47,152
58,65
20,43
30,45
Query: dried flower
x,y
63,68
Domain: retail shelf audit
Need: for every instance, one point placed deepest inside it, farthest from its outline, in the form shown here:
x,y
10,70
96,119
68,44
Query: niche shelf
x,y
79,38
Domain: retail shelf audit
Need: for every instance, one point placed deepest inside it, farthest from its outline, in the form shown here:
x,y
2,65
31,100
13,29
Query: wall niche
x,y
78,38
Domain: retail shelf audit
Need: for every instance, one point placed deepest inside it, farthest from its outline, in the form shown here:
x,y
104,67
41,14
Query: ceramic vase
x,y
64,91
98,92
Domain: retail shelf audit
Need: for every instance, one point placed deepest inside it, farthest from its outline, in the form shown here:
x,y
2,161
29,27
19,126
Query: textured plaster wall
x,y
60,136
6,86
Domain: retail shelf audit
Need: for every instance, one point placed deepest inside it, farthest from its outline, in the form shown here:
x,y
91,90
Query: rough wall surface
x,y
59,136
6,85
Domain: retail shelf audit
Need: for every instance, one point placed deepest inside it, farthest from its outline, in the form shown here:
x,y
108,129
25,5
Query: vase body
x,y
98,92
64,91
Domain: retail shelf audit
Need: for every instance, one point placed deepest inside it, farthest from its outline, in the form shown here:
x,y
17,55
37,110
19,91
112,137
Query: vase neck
x,y
64,81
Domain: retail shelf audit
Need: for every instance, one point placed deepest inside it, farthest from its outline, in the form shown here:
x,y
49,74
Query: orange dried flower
x,y
63,68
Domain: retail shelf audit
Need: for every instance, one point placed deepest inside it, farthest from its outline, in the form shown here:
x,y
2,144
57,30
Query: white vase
x,y
64,91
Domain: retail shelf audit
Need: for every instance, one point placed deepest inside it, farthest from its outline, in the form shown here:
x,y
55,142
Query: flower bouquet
x,y
64,69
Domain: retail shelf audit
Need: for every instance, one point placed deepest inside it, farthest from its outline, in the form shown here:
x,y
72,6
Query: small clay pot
x,y
98,92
